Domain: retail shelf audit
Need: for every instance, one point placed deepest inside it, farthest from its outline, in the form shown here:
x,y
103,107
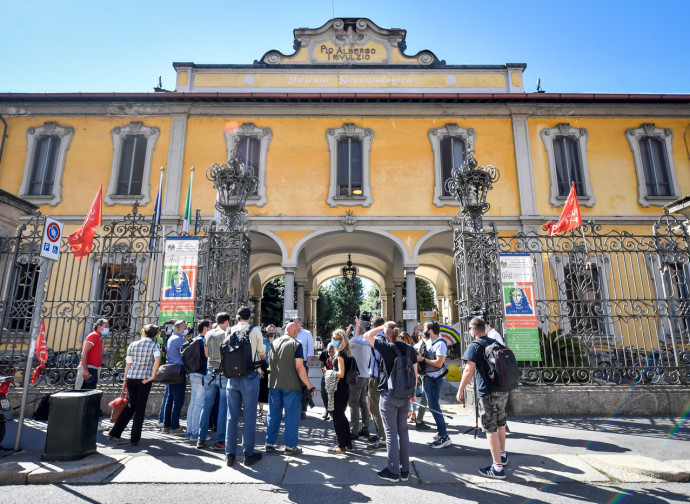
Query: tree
x,y
273,301
426,300
372,301
335,300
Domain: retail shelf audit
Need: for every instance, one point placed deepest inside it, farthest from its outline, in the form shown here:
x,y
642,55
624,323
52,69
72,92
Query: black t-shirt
x,y
475,353
385,348
323,357
342,383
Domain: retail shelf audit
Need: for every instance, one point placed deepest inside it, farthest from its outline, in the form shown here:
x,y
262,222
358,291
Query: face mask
x,y
271,335
184,333
420,333
105,332
336,344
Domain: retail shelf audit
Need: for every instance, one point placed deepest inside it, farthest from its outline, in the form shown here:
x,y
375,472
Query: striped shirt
x,y
141,354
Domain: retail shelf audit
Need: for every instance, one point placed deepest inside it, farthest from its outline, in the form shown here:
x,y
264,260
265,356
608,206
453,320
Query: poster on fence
x,y
178,281
517,283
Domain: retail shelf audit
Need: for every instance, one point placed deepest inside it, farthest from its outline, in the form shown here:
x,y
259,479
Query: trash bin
x,y
72,425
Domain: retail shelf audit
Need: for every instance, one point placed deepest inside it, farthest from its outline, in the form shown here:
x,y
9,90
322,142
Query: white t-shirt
x,y
437,348
496,336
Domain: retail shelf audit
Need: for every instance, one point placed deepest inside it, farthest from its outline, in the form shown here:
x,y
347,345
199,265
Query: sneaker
x,y
160,425
293,450
113,438
363,433
201,444
218,446
253,458
376,445
404,475
421,426
102,427
179,430
504,459
385,474
441,442
269,448
372,439
490,472
166,430
229,460
433,440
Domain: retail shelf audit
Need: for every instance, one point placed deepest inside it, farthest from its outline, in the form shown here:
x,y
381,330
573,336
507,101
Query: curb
x,y
26,472
675,471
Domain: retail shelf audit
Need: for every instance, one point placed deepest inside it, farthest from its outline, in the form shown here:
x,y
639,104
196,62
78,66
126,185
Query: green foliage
x,y
426,300
372,301
336,305
273,301
563,353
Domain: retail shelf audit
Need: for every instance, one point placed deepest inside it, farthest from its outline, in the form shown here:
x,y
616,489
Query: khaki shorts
x,y
493,411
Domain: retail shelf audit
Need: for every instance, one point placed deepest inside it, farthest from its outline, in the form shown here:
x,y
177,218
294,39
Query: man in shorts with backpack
x,y
492,403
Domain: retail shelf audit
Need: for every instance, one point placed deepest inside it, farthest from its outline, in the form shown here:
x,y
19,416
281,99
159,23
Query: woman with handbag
x,y
143,360
341,365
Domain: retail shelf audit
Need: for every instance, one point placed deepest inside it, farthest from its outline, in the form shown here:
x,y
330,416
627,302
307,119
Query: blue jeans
x,y
291,401
242,392
161,415
196,402
432,390
174,403
210,389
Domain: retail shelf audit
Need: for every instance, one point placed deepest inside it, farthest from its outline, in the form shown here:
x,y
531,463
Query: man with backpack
x,y
492,401
194,361
215,383
433,379
242,391
397,385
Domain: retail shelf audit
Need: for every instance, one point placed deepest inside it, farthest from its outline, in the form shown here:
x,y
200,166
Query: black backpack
x,y
402,382
351,373
236,357
503,370
191,355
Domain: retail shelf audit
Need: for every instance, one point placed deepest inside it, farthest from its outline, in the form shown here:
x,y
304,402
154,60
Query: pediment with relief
x,y
350,41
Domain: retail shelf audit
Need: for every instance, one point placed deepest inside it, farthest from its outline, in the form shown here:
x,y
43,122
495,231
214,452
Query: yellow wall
x,y
611,165
88,162
401,164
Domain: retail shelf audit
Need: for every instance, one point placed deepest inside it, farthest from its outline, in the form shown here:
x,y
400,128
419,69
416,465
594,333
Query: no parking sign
x,y
52,235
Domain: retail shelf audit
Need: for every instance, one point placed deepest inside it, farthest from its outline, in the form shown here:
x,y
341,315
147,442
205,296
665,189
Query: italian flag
x,y
187,218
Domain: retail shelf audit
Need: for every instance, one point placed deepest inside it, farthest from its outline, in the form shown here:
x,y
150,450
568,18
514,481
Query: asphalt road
x,y
491,492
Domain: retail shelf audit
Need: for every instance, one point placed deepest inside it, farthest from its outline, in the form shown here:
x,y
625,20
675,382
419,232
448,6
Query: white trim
x,y
666,136
118,133
264,135
333,135
65,134
580,134
435,138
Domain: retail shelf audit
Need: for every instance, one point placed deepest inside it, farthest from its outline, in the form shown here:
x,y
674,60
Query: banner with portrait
x,y
522,335
178,281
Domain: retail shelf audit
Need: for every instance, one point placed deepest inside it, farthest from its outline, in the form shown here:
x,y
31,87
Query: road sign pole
x,y
35,329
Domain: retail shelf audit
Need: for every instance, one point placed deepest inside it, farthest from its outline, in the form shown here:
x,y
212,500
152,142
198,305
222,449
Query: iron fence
x,y
120,280
612,307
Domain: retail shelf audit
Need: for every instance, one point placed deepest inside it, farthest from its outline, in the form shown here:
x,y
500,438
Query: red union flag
x,y
81,240
570,217
41,352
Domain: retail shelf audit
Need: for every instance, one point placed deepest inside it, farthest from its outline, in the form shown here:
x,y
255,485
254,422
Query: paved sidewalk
x,y
541,451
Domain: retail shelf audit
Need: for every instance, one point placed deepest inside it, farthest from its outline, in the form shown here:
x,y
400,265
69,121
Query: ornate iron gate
x,y
612,307
119,280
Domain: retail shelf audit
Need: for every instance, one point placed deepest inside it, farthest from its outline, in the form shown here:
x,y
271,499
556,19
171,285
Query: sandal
x,y
260,415
412,418
336,450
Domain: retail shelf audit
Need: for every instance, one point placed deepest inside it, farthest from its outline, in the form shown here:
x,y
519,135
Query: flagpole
x,y
154,225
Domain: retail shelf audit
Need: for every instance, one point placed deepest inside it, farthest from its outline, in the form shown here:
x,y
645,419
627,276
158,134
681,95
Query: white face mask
x,y
105,331
184,333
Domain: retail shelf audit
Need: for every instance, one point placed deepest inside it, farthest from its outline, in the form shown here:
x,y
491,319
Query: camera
x,y
365,316
306,397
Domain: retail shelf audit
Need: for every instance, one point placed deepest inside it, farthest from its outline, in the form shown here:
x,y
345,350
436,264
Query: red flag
x,y
41,352
570,217
81,240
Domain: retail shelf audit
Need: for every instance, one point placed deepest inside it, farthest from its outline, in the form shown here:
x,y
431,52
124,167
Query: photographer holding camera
x,y
358,391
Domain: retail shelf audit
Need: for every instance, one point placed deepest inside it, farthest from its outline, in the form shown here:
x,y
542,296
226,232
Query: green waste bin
x,y
72,425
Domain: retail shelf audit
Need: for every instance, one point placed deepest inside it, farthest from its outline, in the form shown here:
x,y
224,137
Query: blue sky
x,y
609,46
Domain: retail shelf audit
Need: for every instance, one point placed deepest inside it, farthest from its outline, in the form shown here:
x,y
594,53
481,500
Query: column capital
x,y
289,269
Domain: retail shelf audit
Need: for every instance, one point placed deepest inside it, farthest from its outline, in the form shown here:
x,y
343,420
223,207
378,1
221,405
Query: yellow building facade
x,y
352,141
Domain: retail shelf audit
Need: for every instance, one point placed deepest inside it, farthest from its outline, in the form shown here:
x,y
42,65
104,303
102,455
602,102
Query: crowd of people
x,y
360,367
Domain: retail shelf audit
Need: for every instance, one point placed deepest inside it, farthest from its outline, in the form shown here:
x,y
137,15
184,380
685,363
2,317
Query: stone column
x,y
312,301
441,308
300,299
389,308
289,297
398,302
384,307
257,311
411,298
